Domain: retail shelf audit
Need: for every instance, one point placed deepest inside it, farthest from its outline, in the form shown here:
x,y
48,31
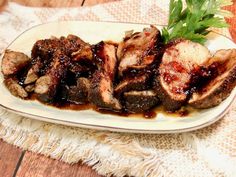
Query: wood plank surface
x,y
39,166
9,158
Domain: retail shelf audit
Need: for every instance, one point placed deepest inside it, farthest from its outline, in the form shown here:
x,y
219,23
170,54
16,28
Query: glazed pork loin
x,y
101,88
138,56
47,85
138,50
222,81
133,76
57,64
13,63
179,61
44,72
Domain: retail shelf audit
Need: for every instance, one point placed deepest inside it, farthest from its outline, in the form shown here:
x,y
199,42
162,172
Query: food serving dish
x,y
94,32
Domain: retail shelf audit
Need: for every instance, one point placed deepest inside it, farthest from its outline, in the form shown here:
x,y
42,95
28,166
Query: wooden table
x,y
20,163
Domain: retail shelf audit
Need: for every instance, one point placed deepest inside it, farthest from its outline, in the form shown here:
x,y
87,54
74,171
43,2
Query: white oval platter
x,y
94,32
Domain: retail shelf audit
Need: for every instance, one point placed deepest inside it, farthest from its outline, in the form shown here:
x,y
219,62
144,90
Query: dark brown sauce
x,y
151,114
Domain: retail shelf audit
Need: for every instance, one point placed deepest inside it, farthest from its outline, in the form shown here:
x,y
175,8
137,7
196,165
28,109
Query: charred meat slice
x,y
84,52
223,81
41,54
46,86
175,72
13,62
78,94
140,101
138,50
15,88
82,68
44,49
137,83
71,44
82,64
101,90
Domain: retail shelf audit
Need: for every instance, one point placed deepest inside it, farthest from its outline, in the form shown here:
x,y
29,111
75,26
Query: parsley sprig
x,y
194,21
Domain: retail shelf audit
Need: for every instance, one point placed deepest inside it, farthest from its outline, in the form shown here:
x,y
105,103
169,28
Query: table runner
x,y
207,152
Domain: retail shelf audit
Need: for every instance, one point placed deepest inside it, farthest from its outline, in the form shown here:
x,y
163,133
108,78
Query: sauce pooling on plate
x,y
150,114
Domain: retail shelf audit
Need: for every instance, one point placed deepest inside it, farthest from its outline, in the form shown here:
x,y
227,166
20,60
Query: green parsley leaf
x,y
194,21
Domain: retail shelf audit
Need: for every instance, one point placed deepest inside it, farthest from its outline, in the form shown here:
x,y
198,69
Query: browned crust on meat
x,y
33,72
79,94
100,85
138,50
46,86
14,87
101,90
13,62
138,83
140,101
168,102
222,91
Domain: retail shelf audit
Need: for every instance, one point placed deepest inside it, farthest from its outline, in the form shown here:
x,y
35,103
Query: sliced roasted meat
x,y
179,61
101,90
44,49
223,81
82,68
33,72
13,62
139,82
73,44
84,52
46,86
47,47
15,88
78,94
138,50
41,54
82,63
140,101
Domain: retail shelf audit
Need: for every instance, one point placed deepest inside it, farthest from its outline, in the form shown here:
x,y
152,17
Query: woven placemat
x,y
207,152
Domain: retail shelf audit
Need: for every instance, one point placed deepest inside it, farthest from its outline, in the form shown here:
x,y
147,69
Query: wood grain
x,y
9,157
39,166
